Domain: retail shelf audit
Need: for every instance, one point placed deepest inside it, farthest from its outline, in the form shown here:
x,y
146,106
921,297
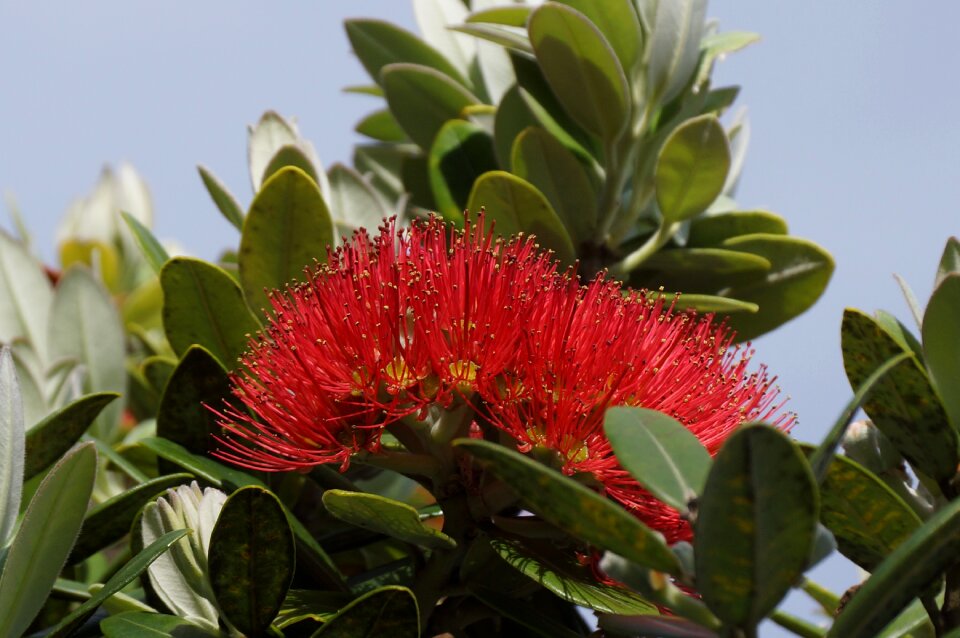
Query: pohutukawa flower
x,y
418,318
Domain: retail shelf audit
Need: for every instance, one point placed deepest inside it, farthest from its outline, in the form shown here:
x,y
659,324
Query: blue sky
x,y
853,111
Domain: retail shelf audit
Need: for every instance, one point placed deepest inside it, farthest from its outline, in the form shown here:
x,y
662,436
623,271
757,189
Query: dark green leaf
x,y
133,568
700,270
659,626
512,117
225,201
388,611
523,613
287,228
709,303
461,152
539,158
617,21
140,624
109,521
251,559
581,68
941,343
198,381
378,44
423,100
691,168
904,405
913,566
155,254
756,525
203,305
51,438
385,516
949,261
713,230
157,370
574,507
660,453
381,126
291,155
798,276
517,206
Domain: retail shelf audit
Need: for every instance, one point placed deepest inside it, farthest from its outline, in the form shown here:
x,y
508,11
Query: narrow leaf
x,y
51,438
138,624
155,254
12,448
225,201
691,168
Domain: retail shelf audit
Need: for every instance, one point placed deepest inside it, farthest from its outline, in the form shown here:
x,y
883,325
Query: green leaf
x,y
949,261
12,448
155,254
660,453
423,100
506,37
717,45
700,269
85,326
198,381
756,525
461,152
291,155
581,68
353,201
914,565
511,16
566,578
523,613
799,273
617,21
515,206
51,438
941,330
709,303
46,535
903,405
512,117
378,44
675,29
203,305
110,521
251,559
691,168
133,568
27,295
659,626
434,17
709,231
539,158
385,516
225,201
573,507
139,624
867,518
381,126
265,147
387,611
287,228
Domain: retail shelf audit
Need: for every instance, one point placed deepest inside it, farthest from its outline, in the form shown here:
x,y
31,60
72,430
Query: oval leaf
x,y
378,44
581,68
287,228
291,155
712,230
691,168
941,343
27,295
461,152
660,453
756,525
700,269
387,611
51,438
516,206
618,21
574,507
251,559
381,126
353,202
198,381
385,516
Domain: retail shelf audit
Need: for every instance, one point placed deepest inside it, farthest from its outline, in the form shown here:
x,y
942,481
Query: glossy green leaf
x,y
292,155
461,152
184,417
51,438
224,200
12,447
516,206
941,332
867,518
904,405
110,521
581,68
251,559
571,581
85,326
378,44
700,270
675,30
511,16
138,624
617,21
133,568
574,507
353,201
914,565
203,305
46,535
287,228
423,100
381,126
27,295
660,453
385,516
539,158
387,611
712,230
799,273
691,168
155,254
756,525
